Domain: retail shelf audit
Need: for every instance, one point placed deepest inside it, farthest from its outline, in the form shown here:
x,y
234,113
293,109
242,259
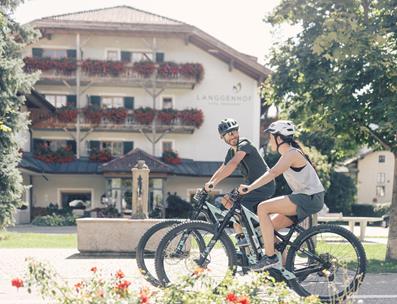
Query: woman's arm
x,y
281,166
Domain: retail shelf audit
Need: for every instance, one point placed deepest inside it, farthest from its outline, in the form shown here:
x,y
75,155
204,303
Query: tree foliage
x,y
338,78
14,83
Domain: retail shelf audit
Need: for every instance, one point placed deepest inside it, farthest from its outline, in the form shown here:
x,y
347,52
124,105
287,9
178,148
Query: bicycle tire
x,y
192,226
140,250
296,285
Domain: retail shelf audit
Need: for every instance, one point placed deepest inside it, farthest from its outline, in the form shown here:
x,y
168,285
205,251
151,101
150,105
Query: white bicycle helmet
x,y
282,127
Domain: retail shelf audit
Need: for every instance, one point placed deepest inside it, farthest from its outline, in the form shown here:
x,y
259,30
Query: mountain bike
x,y
324,260
145,253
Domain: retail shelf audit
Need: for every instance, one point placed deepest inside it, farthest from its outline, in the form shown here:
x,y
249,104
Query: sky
x,y
237,23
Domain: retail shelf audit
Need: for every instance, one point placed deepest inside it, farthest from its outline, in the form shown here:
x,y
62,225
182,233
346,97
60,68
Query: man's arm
x,y
228,169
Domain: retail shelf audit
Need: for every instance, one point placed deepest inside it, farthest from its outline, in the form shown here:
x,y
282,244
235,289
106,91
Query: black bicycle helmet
x,y
227,125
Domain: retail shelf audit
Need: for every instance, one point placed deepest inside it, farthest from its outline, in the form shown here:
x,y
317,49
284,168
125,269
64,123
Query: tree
x,y
14,83
338,75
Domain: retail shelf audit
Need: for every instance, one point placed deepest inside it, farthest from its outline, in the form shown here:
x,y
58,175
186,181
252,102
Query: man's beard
x,y
236,139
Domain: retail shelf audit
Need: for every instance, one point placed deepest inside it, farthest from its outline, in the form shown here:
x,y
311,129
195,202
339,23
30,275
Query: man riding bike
x,y
245,156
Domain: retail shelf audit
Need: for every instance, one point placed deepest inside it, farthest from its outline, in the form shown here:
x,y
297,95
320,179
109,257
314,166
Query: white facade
x,y
228,89
375,178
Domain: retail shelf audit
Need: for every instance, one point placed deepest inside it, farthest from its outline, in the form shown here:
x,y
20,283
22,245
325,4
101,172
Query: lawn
x,y
37,240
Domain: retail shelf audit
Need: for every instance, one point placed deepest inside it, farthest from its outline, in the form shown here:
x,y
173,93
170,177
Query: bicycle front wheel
x,y
180,250
146,249
334,270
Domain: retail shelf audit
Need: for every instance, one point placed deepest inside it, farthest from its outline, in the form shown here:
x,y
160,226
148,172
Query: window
x,y
382,158
112,102
167,146
56,144
112,55
381,178
54,53
115,147
380,191
141,56
168,103
57,101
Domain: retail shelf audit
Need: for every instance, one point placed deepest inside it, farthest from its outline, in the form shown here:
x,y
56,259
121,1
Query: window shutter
x,y
72,143
128,146
159,57
126,56
95,101
71,53
71,100
129,103
37,52
94,145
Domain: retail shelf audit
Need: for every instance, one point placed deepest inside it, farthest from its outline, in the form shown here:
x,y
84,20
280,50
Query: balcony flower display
x,y
116,115
144,68
100,155
192,70
168,70
102,67
167,116
61,155
67,114
93,114
144,116
63,65
171,157
191,117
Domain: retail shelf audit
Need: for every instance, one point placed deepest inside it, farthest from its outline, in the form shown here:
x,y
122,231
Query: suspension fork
x,y
218,231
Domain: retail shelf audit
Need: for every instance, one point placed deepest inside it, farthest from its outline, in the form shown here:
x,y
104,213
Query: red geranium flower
x,y
94,269
17,282
243,300
120,274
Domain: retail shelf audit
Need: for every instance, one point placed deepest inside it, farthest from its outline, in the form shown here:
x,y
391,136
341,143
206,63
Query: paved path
x,y
377,288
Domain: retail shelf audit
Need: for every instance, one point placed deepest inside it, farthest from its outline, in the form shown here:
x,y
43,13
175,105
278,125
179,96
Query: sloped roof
x,y
126,19
77,166
117,14
37,100
128,161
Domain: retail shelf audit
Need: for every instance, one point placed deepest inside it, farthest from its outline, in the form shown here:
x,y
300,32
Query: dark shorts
x,y
252,199
306,205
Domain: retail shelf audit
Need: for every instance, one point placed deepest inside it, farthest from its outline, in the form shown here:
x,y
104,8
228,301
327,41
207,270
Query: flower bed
x,y
256,289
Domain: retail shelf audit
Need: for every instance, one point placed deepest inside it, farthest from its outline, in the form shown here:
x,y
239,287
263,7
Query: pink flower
x,y
94,269
120,274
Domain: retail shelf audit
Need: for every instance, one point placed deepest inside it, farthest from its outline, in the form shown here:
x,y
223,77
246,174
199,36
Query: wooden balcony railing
x,y
182,121
116,72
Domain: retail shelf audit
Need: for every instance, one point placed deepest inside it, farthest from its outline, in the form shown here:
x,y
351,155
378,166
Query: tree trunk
x,y
391,253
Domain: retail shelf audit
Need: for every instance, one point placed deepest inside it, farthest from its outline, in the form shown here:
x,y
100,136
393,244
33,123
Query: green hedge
x,y
377,210
54,220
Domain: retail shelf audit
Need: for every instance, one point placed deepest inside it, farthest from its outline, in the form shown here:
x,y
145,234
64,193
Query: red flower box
x,y
64,65
93,114
100,156
144,116
171,157
116,115
167,116
67,114
191,117
144,68
103,68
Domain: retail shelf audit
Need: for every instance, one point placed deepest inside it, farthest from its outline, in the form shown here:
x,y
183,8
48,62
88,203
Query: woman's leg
x,y
280,221
281,205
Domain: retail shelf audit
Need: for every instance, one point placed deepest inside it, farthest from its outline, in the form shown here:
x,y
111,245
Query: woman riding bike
x,y
307,195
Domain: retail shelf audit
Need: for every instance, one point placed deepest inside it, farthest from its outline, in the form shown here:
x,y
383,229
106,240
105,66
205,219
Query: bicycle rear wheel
x,y
174,261
146,249
334,271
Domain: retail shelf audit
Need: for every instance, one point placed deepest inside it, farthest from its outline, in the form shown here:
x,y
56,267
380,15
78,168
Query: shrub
x,y
54,220
340,196
117,289
363,210
177,207
382,209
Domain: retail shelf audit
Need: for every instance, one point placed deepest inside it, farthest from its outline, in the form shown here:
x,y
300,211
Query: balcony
x,y
119,73
119,119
